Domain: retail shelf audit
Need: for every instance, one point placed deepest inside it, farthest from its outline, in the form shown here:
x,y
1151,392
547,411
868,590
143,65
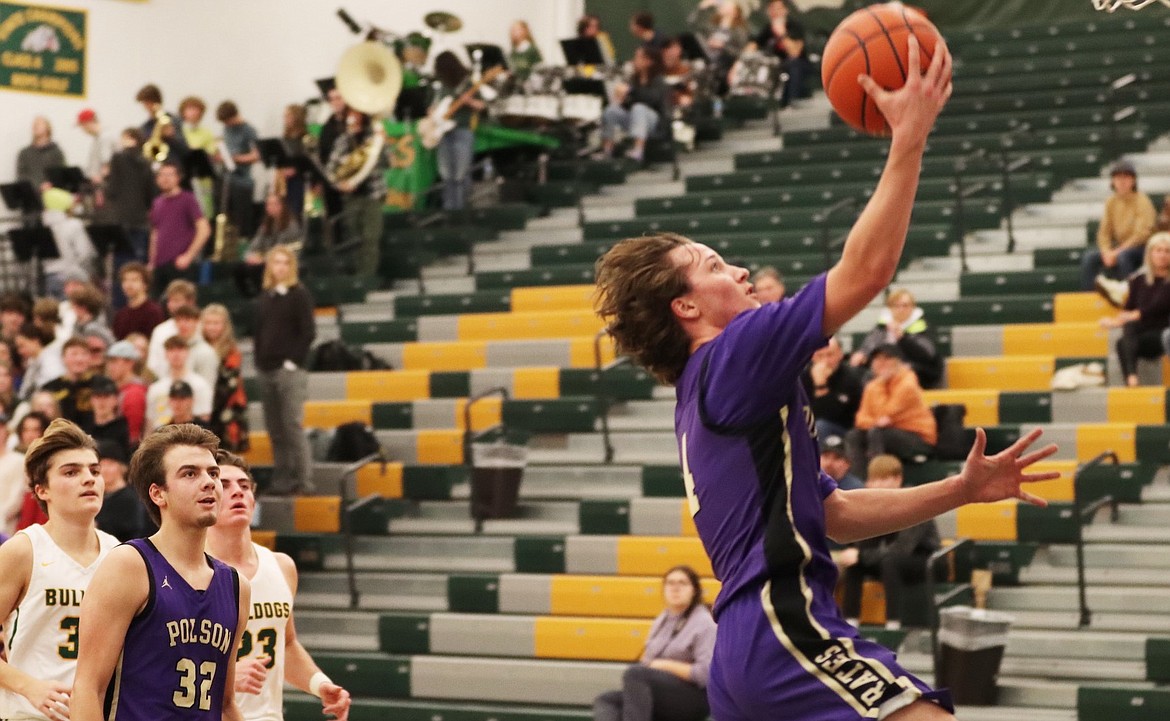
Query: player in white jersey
x,y
44,571
270,653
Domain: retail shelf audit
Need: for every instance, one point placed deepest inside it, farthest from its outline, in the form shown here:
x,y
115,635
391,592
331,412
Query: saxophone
x,y
156,149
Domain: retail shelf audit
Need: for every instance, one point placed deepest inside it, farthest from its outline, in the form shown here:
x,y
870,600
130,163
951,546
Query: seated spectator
x,y
140,314
123,515
181,405
897,559
88,303
30,428
12,483
1126,223
202,359
142,344
642,28
835,463
833,389
893,417
1146,313
229,409
903,324
72,388
783,37
108,424
40,366
158,395
279,227
7,390
121,361
640,108
669,681
178,294
96,342
15,311
78,258
768,284
46,315
721,26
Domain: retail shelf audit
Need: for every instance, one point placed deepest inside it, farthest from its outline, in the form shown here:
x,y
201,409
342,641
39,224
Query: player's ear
x,y
684,307
156,493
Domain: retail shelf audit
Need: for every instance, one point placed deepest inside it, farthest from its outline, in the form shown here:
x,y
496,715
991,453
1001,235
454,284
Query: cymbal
x,y
443,22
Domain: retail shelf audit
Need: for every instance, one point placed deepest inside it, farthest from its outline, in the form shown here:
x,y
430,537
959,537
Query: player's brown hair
x,y
636,282
147,466
61,435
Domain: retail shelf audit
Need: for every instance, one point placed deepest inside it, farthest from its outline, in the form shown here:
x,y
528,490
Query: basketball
x,y
873,41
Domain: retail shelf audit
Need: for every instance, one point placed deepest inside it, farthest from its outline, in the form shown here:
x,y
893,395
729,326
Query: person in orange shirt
x,y
894,417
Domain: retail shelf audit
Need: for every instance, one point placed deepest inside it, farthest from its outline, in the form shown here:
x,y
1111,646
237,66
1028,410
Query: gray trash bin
x,y
971,644
498,461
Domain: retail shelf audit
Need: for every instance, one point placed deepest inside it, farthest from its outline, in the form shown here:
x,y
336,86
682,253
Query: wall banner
x,y
42,49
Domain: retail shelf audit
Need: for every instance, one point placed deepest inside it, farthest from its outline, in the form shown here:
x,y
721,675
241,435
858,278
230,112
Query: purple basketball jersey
x,y
175,657
752,471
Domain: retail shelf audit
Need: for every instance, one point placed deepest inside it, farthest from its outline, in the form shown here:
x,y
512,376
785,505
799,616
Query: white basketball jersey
x,y
265,636
41,634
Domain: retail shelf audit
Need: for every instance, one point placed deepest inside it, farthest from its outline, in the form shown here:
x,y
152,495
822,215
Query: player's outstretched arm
x,y
875,243
231,712
299,668
868,512
118,592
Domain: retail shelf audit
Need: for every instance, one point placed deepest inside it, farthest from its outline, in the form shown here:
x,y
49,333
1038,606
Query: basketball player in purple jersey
x,y
270,653
161,619
761,504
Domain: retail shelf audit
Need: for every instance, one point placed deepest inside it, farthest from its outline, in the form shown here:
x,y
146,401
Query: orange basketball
x,y
873,41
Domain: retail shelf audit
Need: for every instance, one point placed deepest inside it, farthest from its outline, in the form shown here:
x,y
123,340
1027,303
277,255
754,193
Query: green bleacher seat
x,y
1097,703
535,554
560,415
625,382
1055,524
1025,407
609,171
604,518
403,330
662,482
372,675
553,275
340,289
996,310
1046,281
1158,660
473,593
408,306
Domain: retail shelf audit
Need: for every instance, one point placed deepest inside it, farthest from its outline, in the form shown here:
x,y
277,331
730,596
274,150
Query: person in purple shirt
x,y
763,508
668,682
178,230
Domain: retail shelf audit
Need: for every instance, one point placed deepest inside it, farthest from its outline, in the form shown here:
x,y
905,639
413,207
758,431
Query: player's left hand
x,y
335,701
985,479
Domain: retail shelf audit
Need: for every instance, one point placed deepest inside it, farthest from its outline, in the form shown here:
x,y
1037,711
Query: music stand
x,y
273,153
68,178
110,239
21,196
493,55
32,245
691,47
198,164
582,51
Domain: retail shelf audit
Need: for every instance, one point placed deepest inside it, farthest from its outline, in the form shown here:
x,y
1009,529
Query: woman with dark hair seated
x,y
669,682
1147,310
640,108
279,227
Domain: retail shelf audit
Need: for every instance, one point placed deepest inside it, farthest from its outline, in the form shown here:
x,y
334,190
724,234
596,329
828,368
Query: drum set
x,y
551,94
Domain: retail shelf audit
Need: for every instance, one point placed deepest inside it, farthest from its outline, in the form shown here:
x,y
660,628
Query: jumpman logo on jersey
x,y
167,584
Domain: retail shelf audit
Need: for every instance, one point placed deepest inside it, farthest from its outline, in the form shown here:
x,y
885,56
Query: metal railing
x,y
348,506
601,391
468,433
824,219
1081,513
934,600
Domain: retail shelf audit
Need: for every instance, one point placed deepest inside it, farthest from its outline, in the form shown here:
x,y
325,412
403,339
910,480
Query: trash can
x,y
498,460
971,644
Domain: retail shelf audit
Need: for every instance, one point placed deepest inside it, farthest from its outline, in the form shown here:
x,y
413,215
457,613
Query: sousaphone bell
x,y
369,78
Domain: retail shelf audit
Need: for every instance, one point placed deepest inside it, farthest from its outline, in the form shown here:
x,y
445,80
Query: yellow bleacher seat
x,y
536,383
403,385
317,514
528,326
453,356
553,297
987,521
1080,308
581,352
1095,438
982,404
376,479
485,413
264,537
1005,373
596,639
873,603
259,451
1059,490
650,555
439,447
688,521
1058,339
1143,405
614,596
330,414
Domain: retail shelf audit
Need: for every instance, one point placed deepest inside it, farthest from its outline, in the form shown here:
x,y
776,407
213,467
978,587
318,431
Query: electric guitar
x,y
438,121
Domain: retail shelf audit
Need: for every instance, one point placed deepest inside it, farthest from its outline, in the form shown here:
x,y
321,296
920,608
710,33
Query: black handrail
x,y
468,433
823,217
934,601
601,391
959,228
1007,167
1081,513
347,509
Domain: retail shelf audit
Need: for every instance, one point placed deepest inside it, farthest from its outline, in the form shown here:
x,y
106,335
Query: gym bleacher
x,y
528,618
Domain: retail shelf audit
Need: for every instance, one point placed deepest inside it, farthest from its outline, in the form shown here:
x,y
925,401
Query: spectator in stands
x,y
279,227
88,303
98,341
141,314
123,515
642,27
1125,225
669,682
833,388
157,396
178,294
836,463
897,559
202,359
1146,314
783,37
12,483
30,428
903,324
640,107
723,29
178,228
34,160
40,365
77,257
15,311
768,284
1163,220
893,417
181,406
107,424
72,388
589,27
130,192
7,390
121,360
47,316
523,55
229,407
285,330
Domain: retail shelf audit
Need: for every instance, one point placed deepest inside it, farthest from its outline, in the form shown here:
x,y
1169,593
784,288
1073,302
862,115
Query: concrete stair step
x,y
1150,601
338,631
1047,574
533,518
428,554
1104,555
380,591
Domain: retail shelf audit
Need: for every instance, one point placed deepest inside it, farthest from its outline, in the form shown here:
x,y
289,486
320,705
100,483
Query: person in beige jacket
x,y
1127,222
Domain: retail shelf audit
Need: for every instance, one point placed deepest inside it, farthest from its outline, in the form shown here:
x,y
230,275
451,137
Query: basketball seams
x,y
893,47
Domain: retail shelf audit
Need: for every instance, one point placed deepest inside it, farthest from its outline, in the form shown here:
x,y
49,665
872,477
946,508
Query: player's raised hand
x,y
335,701
911,110
986,479
49,697
250,674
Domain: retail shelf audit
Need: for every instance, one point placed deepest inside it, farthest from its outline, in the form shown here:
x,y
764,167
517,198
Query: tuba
x,y
369,78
